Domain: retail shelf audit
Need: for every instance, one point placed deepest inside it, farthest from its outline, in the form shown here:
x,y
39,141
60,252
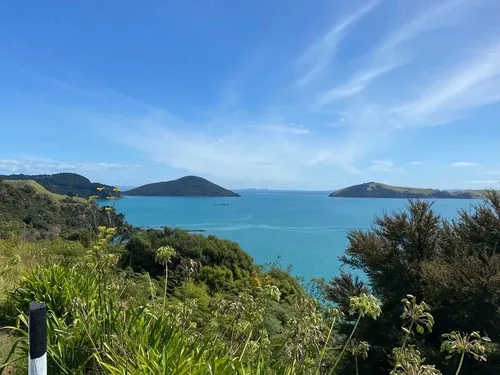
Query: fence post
x,y
37,360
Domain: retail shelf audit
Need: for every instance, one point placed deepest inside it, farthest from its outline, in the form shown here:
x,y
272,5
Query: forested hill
x,y
71,184
189,186
378,190
27,207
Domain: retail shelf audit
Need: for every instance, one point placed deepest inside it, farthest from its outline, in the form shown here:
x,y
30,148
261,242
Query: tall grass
x,y
111,335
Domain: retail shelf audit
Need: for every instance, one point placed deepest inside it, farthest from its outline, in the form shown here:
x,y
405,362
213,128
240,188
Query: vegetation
x,y
453,266
130,301
70,184
378,190
189,186
27,210
39,189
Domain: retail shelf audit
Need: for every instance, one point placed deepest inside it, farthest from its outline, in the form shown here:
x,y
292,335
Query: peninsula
x,y
379,190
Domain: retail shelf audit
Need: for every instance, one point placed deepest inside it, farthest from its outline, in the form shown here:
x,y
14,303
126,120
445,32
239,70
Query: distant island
x,y
70,184
189,186
379,190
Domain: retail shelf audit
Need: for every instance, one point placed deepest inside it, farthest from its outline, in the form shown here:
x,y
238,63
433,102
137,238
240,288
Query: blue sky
x,y
275,94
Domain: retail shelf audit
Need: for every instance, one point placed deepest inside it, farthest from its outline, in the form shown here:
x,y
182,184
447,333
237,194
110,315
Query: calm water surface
x,y
308,230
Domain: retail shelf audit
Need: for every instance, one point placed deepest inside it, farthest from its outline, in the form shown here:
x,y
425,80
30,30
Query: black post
x,y
37,363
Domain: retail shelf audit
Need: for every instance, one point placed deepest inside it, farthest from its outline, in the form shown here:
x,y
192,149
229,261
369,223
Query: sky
x,y
282,94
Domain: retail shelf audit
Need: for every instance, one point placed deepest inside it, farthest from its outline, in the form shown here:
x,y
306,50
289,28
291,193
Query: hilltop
x,y
379,190
189,186
70,184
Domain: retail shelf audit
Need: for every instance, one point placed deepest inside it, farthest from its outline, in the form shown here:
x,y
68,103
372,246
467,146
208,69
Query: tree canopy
x,y
453,265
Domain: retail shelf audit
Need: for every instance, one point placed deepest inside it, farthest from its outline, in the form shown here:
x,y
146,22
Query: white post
x,y
37,330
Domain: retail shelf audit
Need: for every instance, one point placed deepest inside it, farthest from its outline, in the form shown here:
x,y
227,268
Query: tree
x,y
453,266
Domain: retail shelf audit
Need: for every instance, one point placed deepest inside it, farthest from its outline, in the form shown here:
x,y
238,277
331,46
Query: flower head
x,y
418,313
359,349
410,362
472,343
164,254
365,304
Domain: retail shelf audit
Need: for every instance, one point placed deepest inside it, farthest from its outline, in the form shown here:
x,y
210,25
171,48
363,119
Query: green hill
x,y
378,190
28,203
27,207
41,190
189,186
71,184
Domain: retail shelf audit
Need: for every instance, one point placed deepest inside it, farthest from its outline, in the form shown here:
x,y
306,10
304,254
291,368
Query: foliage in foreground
x,y
96,326
168,302
453,265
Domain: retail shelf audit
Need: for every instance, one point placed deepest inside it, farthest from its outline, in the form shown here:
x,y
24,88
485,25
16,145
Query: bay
x,y
306,230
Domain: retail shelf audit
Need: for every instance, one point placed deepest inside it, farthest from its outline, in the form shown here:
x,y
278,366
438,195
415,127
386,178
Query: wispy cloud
x,y
340,123
43,166
460,164
484,182
247,155
440,15
357,84
291,129
256,143
468,82
321,53
386,165
386,57
475,83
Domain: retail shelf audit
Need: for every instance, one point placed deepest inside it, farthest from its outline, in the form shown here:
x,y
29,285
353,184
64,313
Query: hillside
x,y
28,207
189,186
70,184
378,190
26,203
41,190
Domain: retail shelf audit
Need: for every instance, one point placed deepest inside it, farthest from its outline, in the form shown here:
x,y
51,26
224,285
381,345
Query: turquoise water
x,y
308,230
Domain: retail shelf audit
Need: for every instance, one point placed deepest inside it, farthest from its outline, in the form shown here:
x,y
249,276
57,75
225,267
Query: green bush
x,y
215,277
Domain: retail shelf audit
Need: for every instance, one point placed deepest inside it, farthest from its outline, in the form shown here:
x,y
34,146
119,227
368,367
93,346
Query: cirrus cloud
x,y
460,164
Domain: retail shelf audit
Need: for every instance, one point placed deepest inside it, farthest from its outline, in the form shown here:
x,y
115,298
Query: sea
x,y
304,230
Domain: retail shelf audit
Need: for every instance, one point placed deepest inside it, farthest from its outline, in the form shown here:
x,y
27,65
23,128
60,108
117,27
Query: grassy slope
x,y
41,190
376,186
402,189
71,184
